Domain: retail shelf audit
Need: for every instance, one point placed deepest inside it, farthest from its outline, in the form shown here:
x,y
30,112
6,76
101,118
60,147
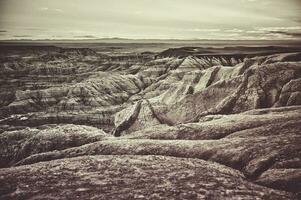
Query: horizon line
x,y
137,39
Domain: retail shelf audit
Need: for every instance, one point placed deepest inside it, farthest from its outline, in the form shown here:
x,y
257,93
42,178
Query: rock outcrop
x,y
188,123
131,177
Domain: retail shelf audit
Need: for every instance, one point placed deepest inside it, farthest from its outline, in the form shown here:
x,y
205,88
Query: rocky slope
x,y
187,123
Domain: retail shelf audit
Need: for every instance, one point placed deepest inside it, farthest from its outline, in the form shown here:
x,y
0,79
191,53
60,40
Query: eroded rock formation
x,y
192,123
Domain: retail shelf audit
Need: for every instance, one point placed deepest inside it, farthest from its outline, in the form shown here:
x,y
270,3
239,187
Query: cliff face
x,y
192,120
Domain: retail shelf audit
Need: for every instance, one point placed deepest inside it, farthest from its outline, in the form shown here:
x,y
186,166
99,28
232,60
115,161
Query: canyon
x,y
132,122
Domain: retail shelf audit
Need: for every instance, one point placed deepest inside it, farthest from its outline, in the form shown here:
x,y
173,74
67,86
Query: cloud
x,y
235,30
45,9
292,34
86,36
22,36
248,1
204,30
285,32
288,28
256,31
58,10
35,29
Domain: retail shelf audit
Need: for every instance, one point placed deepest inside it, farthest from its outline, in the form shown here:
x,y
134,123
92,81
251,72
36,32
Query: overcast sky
x,y
150,19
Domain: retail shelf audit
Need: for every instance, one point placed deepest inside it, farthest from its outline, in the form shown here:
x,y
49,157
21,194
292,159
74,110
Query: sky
x,y
151,19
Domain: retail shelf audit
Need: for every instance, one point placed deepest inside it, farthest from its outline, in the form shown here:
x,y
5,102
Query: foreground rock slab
x,y
130,177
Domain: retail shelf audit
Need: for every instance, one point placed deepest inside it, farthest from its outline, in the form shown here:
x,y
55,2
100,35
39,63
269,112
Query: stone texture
x,y
192,123
130,177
